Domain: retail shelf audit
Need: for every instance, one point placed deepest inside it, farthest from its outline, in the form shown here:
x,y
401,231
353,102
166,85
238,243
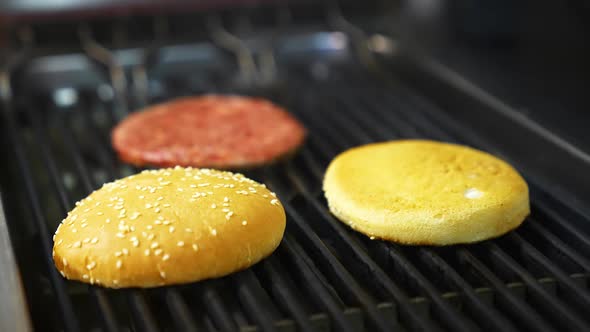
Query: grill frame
x,y
302,247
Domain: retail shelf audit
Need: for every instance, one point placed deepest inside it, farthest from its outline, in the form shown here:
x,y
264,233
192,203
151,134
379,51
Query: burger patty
x,y
208,131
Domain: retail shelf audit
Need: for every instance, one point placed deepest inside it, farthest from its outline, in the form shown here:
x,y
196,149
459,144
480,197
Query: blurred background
x,y
531,54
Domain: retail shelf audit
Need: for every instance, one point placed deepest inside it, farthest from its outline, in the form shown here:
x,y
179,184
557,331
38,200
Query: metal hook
x,y
359,38
228,41
149,57
267,59
106,58
12,61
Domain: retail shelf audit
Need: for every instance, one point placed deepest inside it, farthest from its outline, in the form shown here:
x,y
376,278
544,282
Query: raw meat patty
x,y
208,131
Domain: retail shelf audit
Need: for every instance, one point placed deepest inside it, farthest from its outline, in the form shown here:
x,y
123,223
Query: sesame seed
x,y
125,251
144,234
165,183
154,245
213,206
228,215
157,210
74,230
150,237
77,244
119,264
86,240
179,189
244,222
214,232
135,215
91,265
203,184
99,213
148,206
64,261
171,229
225,210
274,202
108,221
166,222
118,254
225,199
94,240
188,230
265,196
372,238
146,252
180,243
85,276
141,196
166,205
273,194
165,257
149,227
160,198
121,235
225,204
195,247
158,222
163,274
157,252
59,242
193,186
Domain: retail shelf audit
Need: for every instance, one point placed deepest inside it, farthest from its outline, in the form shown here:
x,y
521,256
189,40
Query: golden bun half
x,y
168,226
425,192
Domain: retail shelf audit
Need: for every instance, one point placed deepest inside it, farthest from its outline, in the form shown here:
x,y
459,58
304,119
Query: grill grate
x,y
323,276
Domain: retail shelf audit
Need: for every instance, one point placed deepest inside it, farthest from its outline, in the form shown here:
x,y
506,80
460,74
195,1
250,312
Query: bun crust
x,y
168,226
425,192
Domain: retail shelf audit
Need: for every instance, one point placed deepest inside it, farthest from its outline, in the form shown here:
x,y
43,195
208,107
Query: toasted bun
x,y
168,226
424,192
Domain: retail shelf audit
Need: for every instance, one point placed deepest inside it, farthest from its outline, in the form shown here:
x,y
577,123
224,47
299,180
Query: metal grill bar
x,y
70,319
263,315
324,298
64,200
560,245
178,309
285,294
483,311
517,308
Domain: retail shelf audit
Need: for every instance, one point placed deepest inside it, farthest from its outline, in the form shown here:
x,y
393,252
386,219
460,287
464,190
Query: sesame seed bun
x,y
425,192
168,226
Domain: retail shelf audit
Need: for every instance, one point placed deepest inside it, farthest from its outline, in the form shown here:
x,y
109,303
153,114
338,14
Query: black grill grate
x,y
323,276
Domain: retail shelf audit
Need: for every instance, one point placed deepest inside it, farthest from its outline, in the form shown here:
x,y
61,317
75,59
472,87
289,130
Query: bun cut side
x,y
425,192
